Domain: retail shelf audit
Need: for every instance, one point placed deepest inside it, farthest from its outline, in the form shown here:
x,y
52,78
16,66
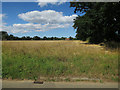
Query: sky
x,y
51,19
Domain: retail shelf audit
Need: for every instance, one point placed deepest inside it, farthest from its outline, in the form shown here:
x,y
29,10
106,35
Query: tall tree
x,y
3,35
99,24
36,38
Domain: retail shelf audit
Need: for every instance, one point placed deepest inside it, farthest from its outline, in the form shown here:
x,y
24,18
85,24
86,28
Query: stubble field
x,y
32,59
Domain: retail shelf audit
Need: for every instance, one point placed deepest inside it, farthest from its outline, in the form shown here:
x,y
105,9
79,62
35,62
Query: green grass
x,y
32,59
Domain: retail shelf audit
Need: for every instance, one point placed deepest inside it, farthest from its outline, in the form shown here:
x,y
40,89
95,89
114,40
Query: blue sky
x,y
38,19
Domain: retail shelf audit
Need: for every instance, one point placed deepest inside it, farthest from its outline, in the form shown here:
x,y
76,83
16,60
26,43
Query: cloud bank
x,y
41,21
47,16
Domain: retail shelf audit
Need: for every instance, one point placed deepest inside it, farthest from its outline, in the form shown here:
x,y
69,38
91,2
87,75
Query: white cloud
x,y
47,16
1,24
29,27
2,16
38,27
40,21
43,3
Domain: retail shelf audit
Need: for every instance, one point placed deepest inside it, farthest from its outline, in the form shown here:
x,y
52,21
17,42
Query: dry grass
x,y
31,59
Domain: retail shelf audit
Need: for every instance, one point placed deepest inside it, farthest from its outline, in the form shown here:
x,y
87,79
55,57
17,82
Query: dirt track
x,y
30,84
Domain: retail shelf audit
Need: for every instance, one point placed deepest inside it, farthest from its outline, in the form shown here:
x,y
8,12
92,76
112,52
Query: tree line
x,y
4,36
101,22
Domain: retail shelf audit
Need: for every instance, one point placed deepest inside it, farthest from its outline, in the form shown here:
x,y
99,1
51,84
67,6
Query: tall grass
x,y
32,59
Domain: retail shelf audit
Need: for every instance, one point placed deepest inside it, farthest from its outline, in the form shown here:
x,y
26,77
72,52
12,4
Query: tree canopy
x,y
101,22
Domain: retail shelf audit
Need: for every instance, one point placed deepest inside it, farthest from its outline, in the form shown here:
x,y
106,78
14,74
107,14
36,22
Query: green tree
x,y
63,38
71,38
36,38
23,38
100,22
3,35
28,38
44,38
